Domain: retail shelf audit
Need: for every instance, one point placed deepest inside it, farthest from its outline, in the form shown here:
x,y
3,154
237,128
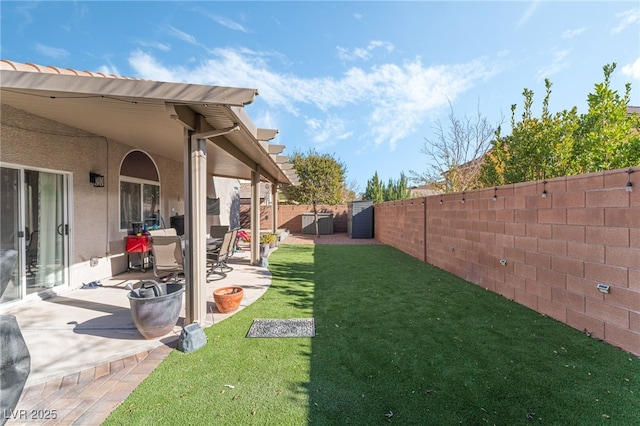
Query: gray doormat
x,y
292,327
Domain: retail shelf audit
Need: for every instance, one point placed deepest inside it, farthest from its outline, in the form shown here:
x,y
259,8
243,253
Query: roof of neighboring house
x,y
423,191
633,110
150,115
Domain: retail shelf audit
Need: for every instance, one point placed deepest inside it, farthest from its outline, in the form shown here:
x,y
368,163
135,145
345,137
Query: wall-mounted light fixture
x,y
603,288
495,193
96,179
462,201
441,200
629,186
544,189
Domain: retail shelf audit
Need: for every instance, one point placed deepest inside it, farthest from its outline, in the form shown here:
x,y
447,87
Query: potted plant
x,y
273,240
264,245
228,299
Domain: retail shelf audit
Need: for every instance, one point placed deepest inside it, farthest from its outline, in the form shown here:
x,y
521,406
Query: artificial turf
x,y
396,341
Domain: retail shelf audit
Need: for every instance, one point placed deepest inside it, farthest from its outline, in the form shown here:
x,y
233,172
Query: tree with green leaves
x,y
321,176
397,190
607,137
565,143
374,191
394,190
322,180
537,148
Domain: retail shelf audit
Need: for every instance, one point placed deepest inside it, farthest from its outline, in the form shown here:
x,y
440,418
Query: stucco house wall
x,y
228,190
33,142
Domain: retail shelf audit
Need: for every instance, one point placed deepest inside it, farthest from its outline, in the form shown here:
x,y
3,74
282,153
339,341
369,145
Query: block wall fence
x,y
554,250
290,216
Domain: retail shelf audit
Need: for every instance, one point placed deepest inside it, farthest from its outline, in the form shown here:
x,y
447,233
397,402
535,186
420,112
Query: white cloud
x,y
148,68
155,45
568,34
632,70
528,13
627,18
109,70
183,36
392,100
52,52
558,64
328,131
266,120
363,53
25,9
228,23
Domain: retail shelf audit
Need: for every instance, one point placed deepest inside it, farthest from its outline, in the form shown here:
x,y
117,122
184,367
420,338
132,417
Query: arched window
x,y
139,190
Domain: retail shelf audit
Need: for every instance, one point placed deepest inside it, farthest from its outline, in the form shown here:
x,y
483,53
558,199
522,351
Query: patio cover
x,y
206,126
150,115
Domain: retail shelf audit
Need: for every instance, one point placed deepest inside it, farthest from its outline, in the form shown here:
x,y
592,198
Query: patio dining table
x,y
212,243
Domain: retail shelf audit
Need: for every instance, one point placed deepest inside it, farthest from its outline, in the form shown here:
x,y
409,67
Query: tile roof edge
x,y
6,64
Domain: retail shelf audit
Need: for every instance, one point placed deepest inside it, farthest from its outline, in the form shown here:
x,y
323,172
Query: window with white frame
x,y
139,190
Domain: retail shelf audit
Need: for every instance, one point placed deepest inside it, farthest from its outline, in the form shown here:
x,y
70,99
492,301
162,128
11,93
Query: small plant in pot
x,y
228,299
270,239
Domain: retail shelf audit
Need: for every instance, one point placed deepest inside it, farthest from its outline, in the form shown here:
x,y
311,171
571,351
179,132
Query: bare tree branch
x,y
456,152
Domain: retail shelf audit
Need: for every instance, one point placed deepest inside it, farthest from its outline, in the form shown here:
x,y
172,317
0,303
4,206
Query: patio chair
x,y
164,232
217,259
168,258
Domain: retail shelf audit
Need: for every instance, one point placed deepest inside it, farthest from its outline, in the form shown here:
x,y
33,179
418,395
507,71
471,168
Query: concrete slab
x,y
84,328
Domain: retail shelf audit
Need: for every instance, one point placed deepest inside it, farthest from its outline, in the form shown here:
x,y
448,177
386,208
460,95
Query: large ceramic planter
x,y
228,299
156,316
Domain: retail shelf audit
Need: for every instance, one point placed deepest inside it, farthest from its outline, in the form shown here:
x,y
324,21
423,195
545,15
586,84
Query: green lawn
x,y
394,335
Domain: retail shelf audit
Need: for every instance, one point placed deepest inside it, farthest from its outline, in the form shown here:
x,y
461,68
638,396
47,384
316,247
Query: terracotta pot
x,y
228,298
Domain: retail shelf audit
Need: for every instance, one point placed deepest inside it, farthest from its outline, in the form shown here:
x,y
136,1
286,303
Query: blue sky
x,y
363,81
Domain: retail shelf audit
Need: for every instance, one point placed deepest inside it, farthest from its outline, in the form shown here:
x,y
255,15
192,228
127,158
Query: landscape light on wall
x,y
629,186
96,179
544,190
441,200
462,201
495,194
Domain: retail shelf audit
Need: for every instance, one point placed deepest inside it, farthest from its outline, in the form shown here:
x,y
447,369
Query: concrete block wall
x,y
290,216
403,225
554,250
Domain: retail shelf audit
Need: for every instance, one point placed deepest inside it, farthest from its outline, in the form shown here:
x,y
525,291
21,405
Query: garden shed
x,y
325,224
360,223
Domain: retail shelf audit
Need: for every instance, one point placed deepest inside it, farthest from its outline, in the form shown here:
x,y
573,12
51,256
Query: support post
x,y
274,207
255,218
195,160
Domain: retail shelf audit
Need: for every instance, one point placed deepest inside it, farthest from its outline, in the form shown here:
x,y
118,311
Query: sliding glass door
x,y
36,227
11,241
